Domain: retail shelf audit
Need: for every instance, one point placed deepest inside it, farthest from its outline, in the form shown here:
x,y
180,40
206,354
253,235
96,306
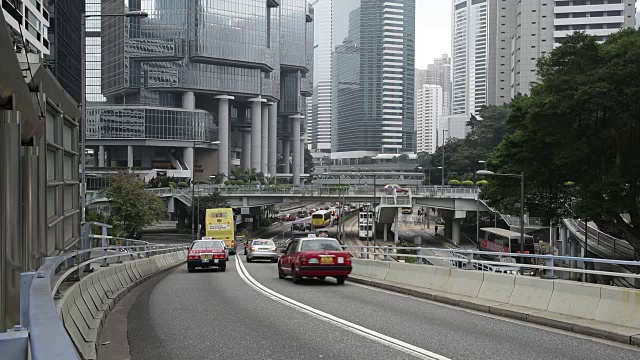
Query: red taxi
x,y
206,254
314,257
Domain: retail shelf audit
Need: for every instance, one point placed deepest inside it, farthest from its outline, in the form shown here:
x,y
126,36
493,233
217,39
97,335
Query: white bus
x,y
365,225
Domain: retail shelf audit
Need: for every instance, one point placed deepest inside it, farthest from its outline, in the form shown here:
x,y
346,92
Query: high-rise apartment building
x,y
438,73
174,85
526,30
470,55
372,78
429,110
28,24
319,108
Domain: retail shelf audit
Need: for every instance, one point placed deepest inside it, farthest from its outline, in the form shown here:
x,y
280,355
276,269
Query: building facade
x,y
438,73
372,87
430,107
319,108
452,126
198,87
29,24
526,30
470,55
66,44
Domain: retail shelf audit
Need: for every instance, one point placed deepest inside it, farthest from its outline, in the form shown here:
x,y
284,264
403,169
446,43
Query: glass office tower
x,y
193,72
372,78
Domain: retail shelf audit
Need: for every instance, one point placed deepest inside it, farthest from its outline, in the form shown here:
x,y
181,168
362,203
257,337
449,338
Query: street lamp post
x,y
443,147
195,223
83,100
521,177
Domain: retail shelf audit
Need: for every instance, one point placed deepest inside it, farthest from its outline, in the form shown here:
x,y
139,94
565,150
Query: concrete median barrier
x,y
532,293
466,282
400,273
575,299
497,287
370,268
619,306
85,305
424,276
442,280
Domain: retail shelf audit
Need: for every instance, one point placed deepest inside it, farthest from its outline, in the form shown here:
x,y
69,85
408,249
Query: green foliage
x,y
581,122
454,182
403,158
133,208
367,160
462,156
183,184
308,161
211,201
227,182
240,182
481,183
468,183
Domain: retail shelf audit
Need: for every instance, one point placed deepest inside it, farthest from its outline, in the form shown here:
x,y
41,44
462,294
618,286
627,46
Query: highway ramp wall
x,y
596,310
85,305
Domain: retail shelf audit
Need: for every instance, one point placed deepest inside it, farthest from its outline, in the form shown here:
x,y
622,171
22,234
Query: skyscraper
x,y
372,84
438,73
526,30
195,72
319,119
470,44
28,25
65,57
430,107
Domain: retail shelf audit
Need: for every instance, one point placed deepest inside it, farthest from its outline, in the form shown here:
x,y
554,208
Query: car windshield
x,y
262,242
320,244
213,244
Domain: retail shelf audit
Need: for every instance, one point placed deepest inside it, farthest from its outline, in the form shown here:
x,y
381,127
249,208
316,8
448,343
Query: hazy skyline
x,y
433,30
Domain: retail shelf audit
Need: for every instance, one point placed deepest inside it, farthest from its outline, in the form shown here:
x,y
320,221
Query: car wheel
x,y
191,268
281,273
249,259
274,260
341,279
294,276
224,268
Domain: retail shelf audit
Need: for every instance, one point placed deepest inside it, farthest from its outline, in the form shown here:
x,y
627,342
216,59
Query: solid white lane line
x,y
354,328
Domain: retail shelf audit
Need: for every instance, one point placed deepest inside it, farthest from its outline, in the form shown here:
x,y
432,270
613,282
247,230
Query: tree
x,y
211,201
309,167
403,158
577,137
366,160
133,208
462,156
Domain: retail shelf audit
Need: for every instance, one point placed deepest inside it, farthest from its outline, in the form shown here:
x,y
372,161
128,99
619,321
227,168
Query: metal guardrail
x,y
601,243
465,258
47,334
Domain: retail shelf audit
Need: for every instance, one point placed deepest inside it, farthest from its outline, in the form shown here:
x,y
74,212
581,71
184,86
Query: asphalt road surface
x,y
248,313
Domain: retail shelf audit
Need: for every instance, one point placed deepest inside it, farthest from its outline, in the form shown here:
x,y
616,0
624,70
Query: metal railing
x,y
48,337
467,259
528,220
601,243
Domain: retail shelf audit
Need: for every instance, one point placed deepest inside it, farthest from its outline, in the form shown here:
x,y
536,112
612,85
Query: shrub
x,y
227,182
467,183
183,184
234,182
481,183
454,182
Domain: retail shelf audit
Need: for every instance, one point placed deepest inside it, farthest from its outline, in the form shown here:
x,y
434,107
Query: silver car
x,y
261,249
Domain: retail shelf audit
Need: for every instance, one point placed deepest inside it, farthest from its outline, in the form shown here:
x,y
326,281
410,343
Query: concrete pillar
x,y
95,157
564,241
302,156
295,130
455,231
264,153
108,155
574,253
129,156
10,219
245,161
101,156
188,100
272,157
30,199
396,231
223,134
187,156
384,236
286,154
256,132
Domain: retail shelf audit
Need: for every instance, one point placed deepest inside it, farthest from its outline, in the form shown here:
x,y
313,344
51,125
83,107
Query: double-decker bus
x,y
365,225
220,225
502,240
322,218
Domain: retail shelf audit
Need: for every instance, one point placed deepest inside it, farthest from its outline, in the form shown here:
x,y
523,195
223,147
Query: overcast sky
x,y
433,30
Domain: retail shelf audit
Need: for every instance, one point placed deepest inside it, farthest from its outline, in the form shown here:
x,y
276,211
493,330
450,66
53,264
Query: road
x,y
248,313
